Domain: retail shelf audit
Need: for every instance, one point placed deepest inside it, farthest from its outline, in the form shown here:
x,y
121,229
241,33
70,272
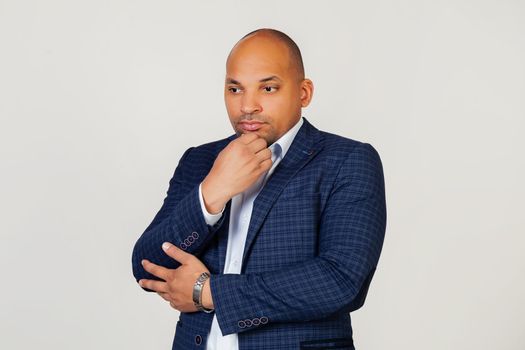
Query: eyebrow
x,y
232,81
264,80
273,77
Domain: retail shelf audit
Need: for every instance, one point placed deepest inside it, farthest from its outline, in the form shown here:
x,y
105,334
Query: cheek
x,y
231,106
281,111
276,107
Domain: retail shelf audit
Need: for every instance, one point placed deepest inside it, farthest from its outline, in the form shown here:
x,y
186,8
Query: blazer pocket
x,y
332,343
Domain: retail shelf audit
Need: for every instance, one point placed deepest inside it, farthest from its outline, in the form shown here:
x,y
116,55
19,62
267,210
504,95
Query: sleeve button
x,y
198,339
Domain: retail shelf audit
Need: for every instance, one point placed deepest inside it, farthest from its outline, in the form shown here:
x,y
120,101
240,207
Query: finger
x,y
247,138
265,165
157,286
257,145
164,296
264,154
155,269
176,253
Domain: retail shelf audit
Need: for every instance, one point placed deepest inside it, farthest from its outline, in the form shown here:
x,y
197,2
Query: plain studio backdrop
x,y
99,99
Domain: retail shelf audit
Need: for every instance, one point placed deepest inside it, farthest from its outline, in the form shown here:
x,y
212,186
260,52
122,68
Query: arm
x,y
180,221
351,234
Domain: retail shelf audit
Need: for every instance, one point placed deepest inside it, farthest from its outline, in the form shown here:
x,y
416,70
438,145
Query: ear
x,y
307,92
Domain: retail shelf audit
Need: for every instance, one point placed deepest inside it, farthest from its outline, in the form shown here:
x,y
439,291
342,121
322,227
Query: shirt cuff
x,y
211,219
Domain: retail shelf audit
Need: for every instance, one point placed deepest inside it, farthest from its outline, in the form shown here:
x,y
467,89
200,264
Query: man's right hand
x,y
237,167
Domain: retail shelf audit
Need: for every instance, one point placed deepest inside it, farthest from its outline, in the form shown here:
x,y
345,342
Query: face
x,y
263,92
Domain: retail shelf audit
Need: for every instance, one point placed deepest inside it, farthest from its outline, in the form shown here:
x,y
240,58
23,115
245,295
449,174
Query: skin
x,y
262,84
177,286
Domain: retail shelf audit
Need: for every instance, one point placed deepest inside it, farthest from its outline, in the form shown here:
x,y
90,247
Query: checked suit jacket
x,y
313,244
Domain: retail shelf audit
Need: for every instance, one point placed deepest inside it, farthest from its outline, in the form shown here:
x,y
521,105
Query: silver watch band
x,y
197,292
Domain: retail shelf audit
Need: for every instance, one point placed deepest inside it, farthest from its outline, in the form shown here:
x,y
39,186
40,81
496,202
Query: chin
x,y
269,139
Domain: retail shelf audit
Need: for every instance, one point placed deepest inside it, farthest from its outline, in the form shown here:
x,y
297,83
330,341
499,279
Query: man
x,y
269,238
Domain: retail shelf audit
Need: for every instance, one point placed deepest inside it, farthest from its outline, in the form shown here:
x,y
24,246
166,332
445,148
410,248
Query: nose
x,y
250,104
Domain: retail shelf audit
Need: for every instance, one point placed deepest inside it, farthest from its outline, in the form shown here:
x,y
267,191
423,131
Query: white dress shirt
x,y
240,215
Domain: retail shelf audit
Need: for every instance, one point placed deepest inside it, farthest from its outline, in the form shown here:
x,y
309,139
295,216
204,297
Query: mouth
x,y
250,126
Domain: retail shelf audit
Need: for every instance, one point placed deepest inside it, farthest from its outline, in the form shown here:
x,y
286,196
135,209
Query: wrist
x,y
207,300
213,201
198,293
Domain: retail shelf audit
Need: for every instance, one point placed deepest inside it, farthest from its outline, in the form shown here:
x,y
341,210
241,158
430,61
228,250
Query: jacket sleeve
x,y
351,234
179,221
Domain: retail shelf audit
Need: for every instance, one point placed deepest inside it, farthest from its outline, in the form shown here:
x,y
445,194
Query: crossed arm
x,y
352,228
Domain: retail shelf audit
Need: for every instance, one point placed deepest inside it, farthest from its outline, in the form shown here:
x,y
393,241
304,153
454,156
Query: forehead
x,y
258,57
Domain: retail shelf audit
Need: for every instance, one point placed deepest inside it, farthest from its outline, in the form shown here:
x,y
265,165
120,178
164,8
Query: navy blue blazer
x,y
313,244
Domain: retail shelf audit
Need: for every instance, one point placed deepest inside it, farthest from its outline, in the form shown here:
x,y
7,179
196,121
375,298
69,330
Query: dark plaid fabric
x,y
313,244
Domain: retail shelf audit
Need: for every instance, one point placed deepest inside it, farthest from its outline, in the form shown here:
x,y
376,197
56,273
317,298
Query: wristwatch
x,y
197,292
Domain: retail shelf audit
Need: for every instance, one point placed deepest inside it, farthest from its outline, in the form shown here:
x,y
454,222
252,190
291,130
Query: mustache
x,y
251,118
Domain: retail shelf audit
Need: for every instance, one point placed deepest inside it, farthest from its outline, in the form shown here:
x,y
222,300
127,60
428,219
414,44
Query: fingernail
x,y
166,245
143,262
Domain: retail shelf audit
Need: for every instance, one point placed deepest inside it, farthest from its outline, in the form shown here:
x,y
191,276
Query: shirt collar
x,y
285,141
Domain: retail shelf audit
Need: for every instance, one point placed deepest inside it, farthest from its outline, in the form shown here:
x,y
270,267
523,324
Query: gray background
x,y
98,100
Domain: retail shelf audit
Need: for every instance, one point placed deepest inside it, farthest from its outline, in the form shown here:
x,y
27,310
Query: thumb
x,y
176,253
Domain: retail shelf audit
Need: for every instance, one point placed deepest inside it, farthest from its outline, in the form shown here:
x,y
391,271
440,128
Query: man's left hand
x,y
177,287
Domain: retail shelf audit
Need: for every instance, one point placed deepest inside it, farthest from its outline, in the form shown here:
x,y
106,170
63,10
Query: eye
x,y
234,90
270,88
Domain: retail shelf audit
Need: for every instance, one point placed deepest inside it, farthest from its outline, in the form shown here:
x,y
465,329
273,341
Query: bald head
x,y
295,59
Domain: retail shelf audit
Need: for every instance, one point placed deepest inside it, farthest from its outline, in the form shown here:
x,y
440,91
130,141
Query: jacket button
x,y
195,235
248,323
241,324
183,246
256,322
198,339
264,320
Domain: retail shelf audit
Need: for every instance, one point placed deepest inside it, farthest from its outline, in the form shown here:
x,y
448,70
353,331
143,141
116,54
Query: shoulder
x,y
339,148
206,152
353,163
196,161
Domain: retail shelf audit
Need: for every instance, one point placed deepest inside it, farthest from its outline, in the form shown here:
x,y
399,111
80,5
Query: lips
x,y
251,126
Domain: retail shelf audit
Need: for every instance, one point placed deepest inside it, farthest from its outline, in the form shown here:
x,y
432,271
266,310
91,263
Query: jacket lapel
x,y
304,147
